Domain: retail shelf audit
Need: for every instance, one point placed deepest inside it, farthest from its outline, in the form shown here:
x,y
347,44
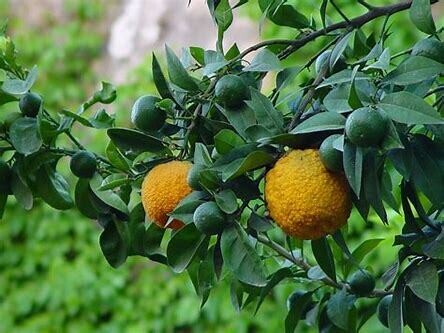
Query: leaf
x,y
265,112
240,119
414,69
395,316
213,62
227,201
372,185
113,246
324,257
287,15
324,121
339,49
225,140
337,99
407,108
108,197
361,251
343,76
339,307
421,16
134,141
107,94
241,258
183,247
21,192
435,249
24,135
201,155
276,278
240,166
259,223
20,87
159,79
383,63
85,199
116,158
264,61
113,181
52,188
423,281
223,15
295,312
353,160
177,73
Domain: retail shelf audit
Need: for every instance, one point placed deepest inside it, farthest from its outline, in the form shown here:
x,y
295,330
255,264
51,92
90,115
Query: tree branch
x,y
295,44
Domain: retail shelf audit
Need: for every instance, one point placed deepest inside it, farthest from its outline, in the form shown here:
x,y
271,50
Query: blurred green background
x,y
53,277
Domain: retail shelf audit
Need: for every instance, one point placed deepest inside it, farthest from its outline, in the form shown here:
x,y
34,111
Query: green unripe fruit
x,y
383,308
83,164
5,177
331,157
146,116
209,219
231,91
193,178
440,297
430,48
30,104
366,127
362,282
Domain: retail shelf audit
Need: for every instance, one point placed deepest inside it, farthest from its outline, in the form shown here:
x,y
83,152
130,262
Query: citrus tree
x,y
224,179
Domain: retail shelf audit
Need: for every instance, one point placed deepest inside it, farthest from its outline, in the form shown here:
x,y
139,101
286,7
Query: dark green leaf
x,y
395,317
25,136
134,141
265,112
339,49
108,197
159,79
339,307
353,160
183,247
295,312
113,245
177,73
116,158
324,121
241,258
276,278
287,15
21,191
240,166
227,201
225,140
423,281
421,16
20,87
264,61
324,256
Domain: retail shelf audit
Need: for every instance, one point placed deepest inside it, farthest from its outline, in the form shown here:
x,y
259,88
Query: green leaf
x,y
184,211
113,181
201,155
240,166
383,62
25,136
337,99
183,247
435,249
116,158
20,87
360,252
52,188
324,121
423,281
223,15
324,256
286,15
339,49
266,114
134,141
343,76
421,16
227,201
113,246
159,79
407,108
107,94
339,307
108,197
353,160
286,76
414,69
213,62
178,74
264,61
372,185
295,312
240,119
225,140
21,191
241,258
273,280
395,318
85,199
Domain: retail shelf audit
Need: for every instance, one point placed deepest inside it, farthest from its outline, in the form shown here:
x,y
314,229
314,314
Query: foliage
x,y
237,145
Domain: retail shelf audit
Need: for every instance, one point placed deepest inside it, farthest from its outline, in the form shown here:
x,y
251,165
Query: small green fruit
x,y
83,164
30,104
362,283
366,127
146,116
331,157
209,219
231,91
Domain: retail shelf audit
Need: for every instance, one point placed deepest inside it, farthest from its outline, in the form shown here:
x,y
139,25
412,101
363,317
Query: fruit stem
x,y
306,267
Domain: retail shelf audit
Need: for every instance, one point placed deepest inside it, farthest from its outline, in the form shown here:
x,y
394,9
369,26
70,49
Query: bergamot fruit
x,y
366,127
304,198
30,104
209,219
146,116
162,189
231,91
83,164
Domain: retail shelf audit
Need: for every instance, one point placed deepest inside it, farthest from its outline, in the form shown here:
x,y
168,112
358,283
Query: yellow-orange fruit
x,y
305,199
162,189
